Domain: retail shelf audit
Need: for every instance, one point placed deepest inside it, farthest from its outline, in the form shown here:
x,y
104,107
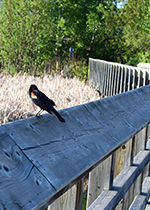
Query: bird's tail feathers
x,y
58,115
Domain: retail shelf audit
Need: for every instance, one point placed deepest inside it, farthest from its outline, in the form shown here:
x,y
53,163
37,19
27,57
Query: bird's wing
x,y
35,94
52,102
42,100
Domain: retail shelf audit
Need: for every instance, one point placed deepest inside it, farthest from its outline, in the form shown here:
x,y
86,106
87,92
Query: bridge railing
x,y
44,161
112,78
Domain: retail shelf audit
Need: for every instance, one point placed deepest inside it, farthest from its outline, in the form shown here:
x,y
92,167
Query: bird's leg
x,y
38,114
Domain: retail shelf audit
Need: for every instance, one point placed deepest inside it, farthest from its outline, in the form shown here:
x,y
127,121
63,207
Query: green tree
x,y
27,34
91,27
32,32
136,33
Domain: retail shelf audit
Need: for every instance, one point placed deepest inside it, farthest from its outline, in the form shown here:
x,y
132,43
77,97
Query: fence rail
x,y
43,160
112,78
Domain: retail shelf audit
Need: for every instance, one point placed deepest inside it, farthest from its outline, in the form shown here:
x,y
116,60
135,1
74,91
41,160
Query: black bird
x,y
41,100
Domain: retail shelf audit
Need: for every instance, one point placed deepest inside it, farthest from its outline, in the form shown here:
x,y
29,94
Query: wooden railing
x,y
113,78
44,161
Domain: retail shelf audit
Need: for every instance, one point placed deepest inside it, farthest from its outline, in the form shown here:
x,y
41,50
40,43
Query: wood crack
x,y
38,146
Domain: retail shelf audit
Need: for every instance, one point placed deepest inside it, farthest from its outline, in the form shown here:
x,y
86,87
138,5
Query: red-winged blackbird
x,y
41,100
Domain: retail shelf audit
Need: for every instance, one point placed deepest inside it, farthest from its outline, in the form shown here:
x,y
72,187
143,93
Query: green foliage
x,y
136,33
79,69
32,34
84,200
26,33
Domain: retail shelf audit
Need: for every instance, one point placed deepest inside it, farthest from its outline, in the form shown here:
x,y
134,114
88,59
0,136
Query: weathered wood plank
x,y
112,80
118,80
63,153
109,199
140,201
22,186
109,79
126,77
121,80
129,79
105,83
101,76
99,180
148,205
115,79
65,201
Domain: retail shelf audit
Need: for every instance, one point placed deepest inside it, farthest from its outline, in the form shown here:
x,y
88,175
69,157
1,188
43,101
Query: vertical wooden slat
x,y
103,81
115,79
125,80
94,74
102,66
112,79
118,80
146,171
129,78
123,159
65,201
99,180
121,80
97,73
106,79
100,76
144,77
109,80
138,144
140,139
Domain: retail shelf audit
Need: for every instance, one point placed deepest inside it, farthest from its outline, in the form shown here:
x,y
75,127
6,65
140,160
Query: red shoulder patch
x,y
33,95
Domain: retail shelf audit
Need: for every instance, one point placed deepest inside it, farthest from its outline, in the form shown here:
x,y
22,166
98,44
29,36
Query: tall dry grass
x,y
15,103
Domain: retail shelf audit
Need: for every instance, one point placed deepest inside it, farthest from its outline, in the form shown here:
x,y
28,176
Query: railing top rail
x,y
121,65
42,158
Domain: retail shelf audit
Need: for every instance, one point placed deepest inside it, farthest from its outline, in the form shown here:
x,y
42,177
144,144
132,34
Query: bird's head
x,y
32,88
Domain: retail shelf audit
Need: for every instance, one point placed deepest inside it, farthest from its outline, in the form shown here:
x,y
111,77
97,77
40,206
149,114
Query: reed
x,y
15,103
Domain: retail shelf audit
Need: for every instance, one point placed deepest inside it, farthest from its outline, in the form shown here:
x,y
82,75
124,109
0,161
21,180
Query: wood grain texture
x,y
99,180
22,186
65,201
63,153
109,199
141,199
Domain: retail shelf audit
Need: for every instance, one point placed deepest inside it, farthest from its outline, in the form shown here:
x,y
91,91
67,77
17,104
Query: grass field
x,y
15,103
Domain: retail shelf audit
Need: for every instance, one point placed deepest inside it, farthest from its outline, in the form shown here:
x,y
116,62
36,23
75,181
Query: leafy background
x,y
35,36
